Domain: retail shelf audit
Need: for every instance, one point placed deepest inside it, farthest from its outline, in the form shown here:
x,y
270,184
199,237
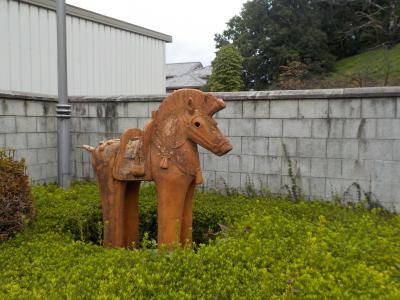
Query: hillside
x,y
372,68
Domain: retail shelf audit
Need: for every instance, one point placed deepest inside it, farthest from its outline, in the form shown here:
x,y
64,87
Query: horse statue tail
x,y
88,148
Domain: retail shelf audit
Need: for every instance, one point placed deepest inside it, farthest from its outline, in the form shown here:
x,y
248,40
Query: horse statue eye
x,y
197,124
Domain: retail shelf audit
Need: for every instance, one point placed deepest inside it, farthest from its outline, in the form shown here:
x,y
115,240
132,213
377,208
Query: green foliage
x,y
226,70
380,67
366,198
76,212
293,189
273,33
358,25
16,205
269,248
292,76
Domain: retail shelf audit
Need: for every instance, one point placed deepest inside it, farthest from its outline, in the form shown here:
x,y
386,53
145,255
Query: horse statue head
x,y
187,115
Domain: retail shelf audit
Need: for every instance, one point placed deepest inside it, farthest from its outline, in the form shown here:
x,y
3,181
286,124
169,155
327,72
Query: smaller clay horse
x,y
164,152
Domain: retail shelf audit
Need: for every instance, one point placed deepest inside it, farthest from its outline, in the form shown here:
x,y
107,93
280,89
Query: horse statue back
x,y
165,152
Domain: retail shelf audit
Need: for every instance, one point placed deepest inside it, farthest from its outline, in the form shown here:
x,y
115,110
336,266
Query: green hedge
x,y
78,212
270,248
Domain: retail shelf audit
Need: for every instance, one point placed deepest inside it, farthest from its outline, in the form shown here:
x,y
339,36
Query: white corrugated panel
x,y
102,60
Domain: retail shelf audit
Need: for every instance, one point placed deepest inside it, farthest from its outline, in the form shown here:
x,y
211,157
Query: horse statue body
x,y
164,152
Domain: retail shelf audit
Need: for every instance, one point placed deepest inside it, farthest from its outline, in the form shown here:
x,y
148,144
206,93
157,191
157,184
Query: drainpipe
x,y
63,107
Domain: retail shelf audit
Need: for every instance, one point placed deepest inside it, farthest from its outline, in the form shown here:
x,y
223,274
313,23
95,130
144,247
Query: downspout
x,y
63,107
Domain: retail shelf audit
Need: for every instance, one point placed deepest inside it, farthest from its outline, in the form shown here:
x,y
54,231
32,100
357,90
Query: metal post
x,y
63,107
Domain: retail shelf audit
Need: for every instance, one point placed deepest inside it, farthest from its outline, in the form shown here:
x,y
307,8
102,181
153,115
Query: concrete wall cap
x,y
26,96
351,93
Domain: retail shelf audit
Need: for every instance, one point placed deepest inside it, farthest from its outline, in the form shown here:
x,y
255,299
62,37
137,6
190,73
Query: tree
x,y
226,70
381,20
358,25
272,33
337,18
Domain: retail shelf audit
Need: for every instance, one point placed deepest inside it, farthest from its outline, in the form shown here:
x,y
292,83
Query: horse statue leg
x,y
119,199
187,217
173,217
131,214
112,195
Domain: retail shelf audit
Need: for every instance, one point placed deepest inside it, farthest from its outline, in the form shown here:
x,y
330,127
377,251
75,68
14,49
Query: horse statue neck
x,y
169,139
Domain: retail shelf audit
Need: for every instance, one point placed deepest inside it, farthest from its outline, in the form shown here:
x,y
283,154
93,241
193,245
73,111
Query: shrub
x,y
292,76
76,211
269,248
16,205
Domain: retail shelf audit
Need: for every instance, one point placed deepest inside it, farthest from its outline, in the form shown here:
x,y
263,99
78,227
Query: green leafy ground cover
x,y
269,248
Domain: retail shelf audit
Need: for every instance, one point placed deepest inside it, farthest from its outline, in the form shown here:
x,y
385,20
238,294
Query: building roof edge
x,y
102,19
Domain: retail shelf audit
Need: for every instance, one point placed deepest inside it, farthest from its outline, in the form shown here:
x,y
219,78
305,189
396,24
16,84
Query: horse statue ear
x,y
190,106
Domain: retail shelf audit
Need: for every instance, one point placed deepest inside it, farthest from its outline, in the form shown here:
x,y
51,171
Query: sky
x,y
191,23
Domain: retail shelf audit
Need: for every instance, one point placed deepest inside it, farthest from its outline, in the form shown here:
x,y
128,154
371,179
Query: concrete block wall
x,y
28,124
333,137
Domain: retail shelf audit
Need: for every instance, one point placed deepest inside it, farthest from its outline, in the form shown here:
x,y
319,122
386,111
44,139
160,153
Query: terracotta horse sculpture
x,y
164,152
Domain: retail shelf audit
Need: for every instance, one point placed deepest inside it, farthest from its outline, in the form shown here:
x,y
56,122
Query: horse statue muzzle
x,y
165,152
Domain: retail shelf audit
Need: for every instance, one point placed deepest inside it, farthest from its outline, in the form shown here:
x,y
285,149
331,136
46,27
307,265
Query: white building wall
x,y
102,60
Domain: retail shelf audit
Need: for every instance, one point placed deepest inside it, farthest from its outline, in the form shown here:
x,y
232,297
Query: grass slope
x,y
270,249
373,67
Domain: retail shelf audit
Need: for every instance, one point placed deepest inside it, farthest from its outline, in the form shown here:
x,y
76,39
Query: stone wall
x,y
28,124
334,138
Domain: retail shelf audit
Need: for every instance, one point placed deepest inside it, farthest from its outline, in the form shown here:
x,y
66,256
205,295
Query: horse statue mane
x,y
181,100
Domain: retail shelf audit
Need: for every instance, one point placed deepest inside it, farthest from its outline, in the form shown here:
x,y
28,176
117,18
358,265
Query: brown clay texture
x,y
165,152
